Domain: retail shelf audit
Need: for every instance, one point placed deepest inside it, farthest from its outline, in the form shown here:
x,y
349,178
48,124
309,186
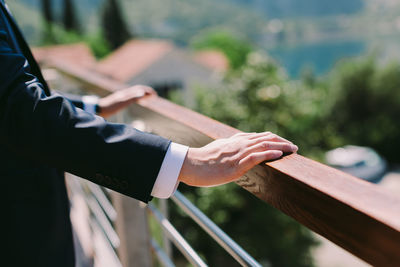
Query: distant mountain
x,y
28,19
266,8
271,8
181,20
175,19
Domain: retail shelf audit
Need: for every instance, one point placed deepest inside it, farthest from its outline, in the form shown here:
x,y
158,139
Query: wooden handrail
x,y
361,217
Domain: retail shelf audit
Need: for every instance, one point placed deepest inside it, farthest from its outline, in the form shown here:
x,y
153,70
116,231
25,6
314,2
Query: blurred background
x,y
324,74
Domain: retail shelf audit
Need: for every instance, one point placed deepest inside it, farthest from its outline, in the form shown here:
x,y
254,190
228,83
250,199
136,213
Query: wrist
x,y
187,173
106,106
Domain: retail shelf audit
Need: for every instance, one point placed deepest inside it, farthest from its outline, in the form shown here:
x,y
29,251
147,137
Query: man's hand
x,y
115,102
226,160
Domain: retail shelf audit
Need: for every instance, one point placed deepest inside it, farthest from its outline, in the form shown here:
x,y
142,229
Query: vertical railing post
x,y
133,231
166,243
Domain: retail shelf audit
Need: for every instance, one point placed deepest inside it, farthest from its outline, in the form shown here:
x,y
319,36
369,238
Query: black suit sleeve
x,y
77,101
52,131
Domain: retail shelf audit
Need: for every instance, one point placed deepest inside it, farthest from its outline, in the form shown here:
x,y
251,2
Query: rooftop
x,y
77,54
212,59
132,58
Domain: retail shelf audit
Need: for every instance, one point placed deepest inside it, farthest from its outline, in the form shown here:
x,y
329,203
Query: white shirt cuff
x,y
167,179
89,103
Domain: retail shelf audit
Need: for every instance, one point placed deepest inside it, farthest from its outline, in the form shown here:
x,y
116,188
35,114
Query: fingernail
x,y
277,154
294,148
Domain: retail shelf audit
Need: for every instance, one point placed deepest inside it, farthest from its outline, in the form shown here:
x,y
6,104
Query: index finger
x,y
269,136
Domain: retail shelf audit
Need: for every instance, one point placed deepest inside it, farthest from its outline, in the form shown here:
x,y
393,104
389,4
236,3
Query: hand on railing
x,y
226,160
115,102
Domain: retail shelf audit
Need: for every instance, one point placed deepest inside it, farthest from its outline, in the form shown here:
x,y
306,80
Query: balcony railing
x,y
360,217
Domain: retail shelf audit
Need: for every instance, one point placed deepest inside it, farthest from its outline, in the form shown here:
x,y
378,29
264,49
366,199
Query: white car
x,y
362,162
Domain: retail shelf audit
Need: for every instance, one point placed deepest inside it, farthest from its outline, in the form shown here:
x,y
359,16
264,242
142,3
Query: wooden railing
x,y
361,217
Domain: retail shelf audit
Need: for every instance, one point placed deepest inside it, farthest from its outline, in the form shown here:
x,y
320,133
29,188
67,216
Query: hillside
x,y
181,20
28,19
314,33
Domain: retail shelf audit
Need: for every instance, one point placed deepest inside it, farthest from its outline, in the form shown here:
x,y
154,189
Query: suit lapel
x,y
35,69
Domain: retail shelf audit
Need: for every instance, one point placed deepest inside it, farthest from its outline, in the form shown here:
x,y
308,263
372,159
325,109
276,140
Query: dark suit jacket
x,y
41,136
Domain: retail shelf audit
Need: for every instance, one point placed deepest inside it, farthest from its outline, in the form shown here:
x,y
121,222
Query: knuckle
x,y
266,145
233,164
230,163
234,158
252,158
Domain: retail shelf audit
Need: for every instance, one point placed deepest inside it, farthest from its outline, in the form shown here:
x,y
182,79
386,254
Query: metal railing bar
x,y
161,255
176,238
103,221
96,226
103,201
75,185
98,214
237,252
163,205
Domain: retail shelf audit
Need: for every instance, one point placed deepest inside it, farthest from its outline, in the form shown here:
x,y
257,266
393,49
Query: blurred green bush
x,y
366,105
236,50
56,34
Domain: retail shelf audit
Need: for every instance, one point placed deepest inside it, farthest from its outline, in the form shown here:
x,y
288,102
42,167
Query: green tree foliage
x,y
367,105
96,41
47,10
114,27
70,20
236,50
98,44
48,20
70,31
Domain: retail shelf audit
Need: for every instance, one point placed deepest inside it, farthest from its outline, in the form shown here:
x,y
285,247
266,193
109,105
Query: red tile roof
x,y
133,57
78,54
212,59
